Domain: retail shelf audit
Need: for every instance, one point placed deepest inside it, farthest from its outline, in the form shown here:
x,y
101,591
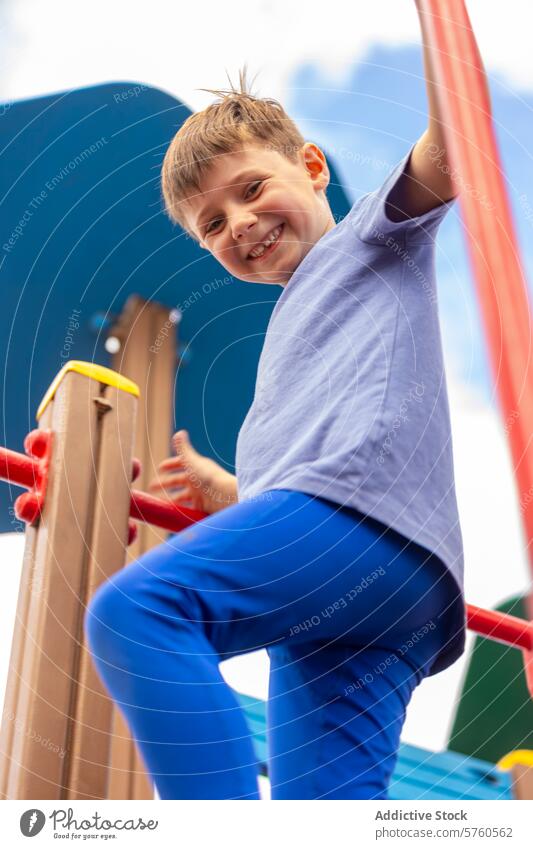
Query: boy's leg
x,y
257,574
335,715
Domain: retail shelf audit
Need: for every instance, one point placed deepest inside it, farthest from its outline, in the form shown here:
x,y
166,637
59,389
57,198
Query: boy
x,y
337,546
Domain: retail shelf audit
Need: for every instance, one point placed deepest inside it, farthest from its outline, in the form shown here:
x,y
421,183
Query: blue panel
x,y
82,228
255,711
421,774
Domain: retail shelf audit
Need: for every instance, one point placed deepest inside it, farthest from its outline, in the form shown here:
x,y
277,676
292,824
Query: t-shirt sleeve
x,y
370,223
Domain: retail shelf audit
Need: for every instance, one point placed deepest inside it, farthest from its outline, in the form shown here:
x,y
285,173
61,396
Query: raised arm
x,y
427,181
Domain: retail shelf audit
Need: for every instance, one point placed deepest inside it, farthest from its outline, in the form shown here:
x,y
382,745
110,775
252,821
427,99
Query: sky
x,y
356,79
59,44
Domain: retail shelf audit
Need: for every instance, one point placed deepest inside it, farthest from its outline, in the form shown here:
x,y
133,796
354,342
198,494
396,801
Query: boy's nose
x,y
241,225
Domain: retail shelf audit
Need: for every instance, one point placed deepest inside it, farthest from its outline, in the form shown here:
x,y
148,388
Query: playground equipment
x,y
79,470
82,491
79,510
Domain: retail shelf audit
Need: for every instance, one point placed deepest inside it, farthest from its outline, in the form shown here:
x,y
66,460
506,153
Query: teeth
x,y
260,249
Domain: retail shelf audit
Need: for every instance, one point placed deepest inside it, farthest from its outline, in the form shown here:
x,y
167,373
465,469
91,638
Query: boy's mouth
x,y
266,247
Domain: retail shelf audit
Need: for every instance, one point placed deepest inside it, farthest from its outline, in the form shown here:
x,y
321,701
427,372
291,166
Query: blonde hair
x,y
239,117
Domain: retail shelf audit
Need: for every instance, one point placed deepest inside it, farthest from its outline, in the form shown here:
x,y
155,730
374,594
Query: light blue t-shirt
x,y
350,399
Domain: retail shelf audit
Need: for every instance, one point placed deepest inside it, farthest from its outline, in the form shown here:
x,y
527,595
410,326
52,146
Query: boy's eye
x,y
209,227
254,186
252,190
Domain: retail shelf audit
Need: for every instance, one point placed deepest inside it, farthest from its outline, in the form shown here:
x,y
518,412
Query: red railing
x,y
29,472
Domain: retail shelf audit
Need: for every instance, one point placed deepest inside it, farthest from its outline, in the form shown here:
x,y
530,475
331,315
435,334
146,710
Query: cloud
x,y
54,46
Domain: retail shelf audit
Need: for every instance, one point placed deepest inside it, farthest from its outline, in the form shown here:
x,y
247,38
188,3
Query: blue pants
x,y
350,612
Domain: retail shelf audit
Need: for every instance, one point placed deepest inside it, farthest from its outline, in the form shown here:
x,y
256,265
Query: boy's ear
x,y
316,164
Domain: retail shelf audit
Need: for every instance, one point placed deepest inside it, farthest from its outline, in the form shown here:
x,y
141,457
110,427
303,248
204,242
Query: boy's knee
x,y
109,617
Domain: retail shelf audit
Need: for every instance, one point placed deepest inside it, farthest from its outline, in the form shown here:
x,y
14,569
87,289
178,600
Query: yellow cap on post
x,y
519,756
95,372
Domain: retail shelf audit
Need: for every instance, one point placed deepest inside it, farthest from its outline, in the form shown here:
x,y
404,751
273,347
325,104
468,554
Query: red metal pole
x,y
490,233
147,508
17,468
23,471
500,627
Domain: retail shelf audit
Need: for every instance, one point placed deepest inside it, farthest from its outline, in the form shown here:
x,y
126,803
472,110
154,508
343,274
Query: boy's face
x,y
255,195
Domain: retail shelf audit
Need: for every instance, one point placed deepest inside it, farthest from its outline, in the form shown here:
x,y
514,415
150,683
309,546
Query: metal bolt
x,y
103,405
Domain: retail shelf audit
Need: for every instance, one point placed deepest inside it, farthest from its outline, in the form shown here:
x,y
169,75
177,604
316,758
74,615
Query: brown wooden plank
x,y
27,586
159,404
147,356
159,419
134,329
522,776
51,650
89,752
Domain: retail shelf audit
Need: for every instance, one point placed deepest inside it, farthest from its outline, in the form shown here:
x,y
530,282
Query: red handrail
x,y
18,469
500,627
21,470
154,511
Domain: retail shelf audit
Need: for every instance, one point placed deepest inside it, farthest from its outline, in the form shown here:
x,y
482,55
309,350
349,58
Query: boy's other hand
x,y
192,480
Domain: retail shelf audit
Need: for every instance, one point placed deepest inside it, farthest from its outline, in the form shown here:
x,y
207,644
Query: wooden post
x,y
147,355
55,735
522,776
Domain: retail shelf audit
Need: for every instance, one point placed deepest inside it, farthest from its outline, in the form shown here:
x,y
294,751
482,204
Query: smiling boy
x,y
344,472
